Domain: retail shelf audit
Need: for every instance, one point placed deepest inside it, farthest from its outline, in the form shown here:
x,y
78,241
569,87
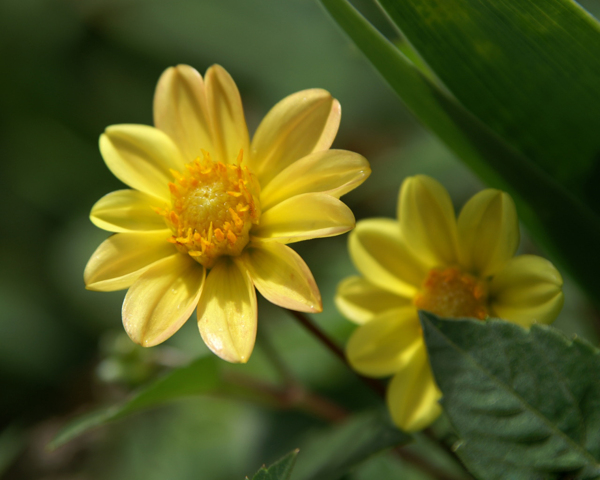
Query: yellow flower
x,y
211,212
428,260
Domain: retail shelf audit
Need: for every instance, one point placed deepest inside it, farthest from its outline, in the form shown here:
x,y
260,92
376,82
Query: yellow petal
x,y
227,115
386,343
181,110
527,290
282,277
427,220
127,211
334,172
141,157
413,395
122,258
162,299
381,255
227,312
301,123
311,215
488,230
360,300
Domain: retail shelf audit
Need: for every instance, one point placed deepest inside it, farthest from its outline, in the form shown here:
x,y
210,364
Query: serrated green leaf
x,y
332,453
280,470
200,376
526,403
551,210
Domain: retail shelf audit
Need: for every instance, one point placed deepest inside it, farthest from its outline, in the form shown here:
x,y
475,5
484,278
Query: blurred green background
x,y
71,68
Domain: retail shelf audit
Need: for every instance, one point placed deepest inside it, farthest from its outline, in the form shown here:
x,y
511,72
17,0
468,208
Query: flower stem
x,y
307,323
288,397
374,384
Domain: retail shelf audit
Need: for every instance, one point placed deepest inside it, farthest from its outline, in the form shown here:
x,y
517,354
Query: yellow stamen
x,y
213,207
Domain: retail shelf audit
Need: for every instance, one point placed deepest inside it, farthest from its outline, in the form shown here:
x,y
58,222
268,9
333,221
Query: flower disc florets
x,y
453,293
213,207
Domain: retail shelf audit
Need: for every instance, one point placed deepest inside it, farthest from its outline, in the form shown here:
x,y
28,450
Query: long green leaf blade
x,y
526,403
201,376
564,225
529,69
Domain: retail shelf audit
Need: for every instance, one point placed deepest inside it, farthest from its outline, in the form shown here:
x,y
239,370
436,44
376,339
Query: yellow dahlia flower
x,y
210,212
428,260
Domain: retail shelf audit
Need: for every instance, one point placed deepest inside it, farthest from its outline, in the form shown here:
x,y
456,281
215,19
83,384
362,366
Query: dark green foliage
x,y
201,376
334,452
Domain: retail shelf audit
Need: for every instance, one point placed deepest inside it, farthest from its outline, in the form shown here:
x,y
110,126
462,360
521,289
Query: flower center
x,y
213,207
452,293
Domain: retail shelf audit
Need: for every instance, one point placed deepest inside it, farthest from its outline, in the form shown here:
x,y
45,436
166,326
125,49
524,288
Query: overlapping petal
x,y
227,312
230,133
413,395
379,252
298,125
122,258
141,157
360,300
181,110
311,215
385,344
282,277
488,230
427,220
334,172
127,211
162,299
527,290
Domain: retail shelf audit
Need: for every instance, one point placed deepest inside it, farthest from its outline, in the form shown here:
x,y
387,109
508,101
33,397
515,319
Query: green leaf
x,y
529,69
280,470
334,452
556,215
200,376
526,403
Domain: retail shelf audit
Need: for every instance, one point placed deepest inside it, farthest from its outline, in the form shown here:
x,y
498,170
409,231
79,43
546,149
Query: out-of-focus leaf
x,y
526,403
12,442
280,470
201,376
559,219
333,453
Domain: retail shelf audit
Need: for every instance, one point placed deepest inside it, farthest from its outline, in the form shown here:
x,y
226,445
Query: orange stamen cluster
x,y
213,207
452,293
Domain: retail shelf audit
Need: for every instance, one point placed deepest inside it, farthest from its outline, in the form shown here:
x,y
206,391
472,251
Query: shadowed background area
x,y
71,68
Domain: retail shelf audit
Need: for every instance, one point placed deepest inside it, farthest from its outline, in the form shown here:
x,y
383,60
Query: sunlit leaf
x,y
560,220
526,403
334,452
280,470
201,376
